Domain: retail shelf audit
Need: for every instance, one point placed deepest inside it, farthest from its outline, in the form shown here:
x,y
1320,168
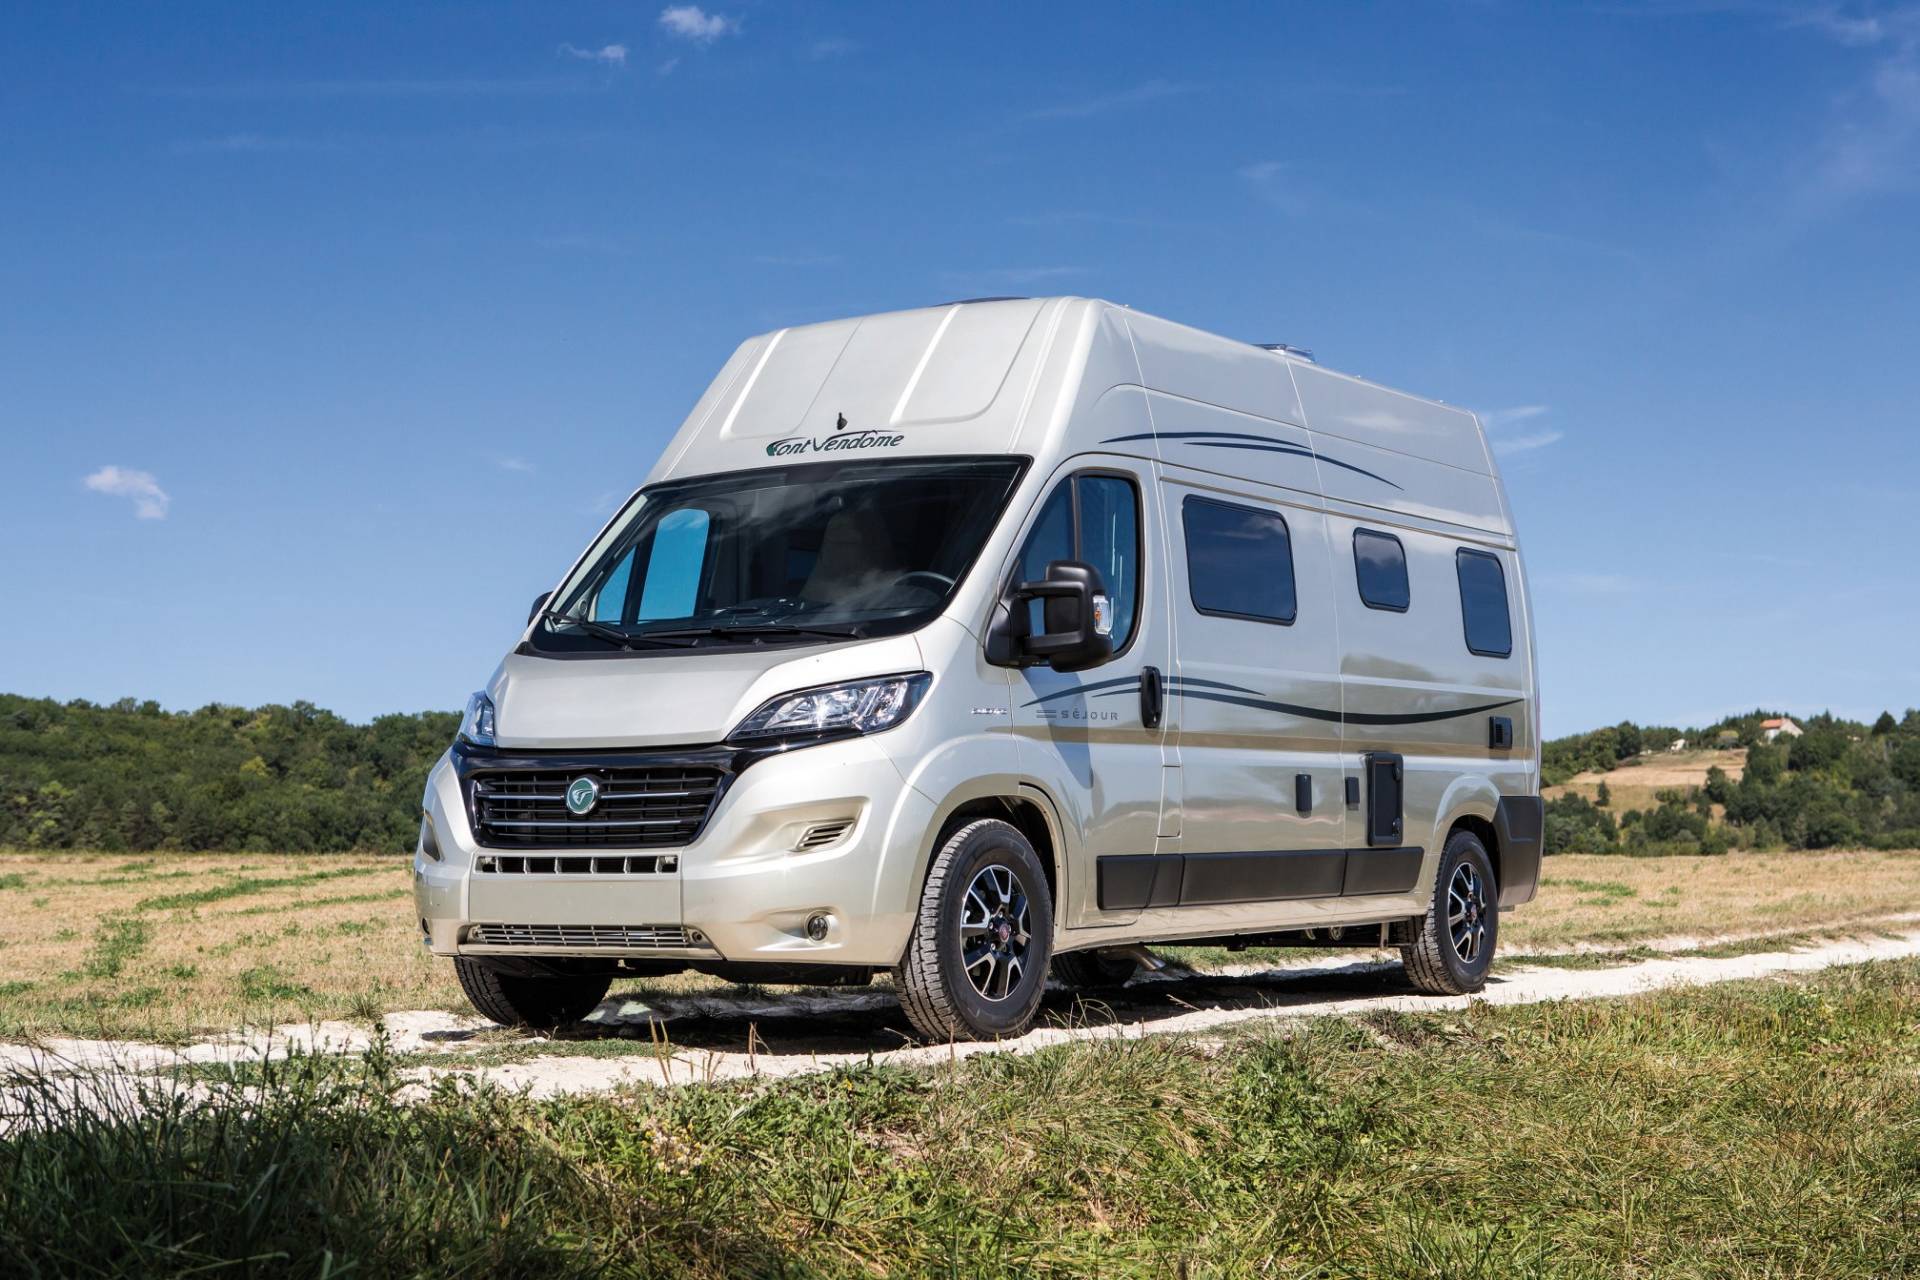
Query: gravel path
x,y
721,1036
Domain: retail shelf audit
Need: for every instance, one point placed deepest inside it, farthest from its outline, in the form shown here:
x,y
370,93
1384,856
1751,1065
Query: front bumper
x,y
742,891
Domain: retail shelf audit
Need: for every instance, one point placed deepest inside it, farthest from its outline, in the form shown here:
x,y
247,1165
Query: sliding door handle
x,y
1151,701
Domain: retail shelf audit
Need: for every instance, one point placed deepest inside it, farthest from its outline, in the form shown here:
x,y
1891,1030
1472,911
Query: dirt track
x,y
690,1039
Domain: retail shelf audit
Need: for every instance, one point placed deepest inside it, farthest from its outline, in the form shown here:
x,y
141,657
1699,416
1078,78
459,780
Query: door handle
x,y
1150,697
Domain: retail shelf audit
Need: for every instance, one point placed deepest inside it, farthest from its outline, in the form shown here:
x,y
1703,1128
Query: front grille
x,y
632,864
580,935
639,807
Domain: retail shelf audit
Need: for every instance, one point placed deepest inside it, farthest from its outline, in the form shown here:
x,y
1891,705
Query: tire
x,y
1453,946
540,1003
1091,970
985,892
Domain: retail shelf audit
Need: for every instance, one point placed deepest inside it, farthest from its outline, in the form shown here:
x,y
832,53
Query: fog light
x,y
817,925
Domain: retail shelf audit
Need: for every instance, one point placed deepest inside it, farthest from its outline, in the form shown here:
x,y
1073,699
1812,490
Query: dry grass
x,y
1602,898
1636,784
173,946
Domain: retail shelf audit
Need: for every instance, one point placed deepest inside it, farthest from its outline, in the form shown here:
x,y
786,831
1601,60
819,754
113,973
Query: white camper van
x,y
996,639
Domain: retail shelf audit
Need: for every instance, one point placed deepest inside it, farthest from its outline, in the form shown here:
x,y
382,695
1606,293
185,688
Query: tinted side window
x,y
1483,603
1380,565
1239,561
1094,519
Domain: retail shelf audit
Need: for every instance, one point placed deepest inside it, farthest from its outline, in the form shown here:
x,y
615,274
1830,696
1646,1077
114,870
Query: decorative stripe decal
x,y
1203,691
1245,440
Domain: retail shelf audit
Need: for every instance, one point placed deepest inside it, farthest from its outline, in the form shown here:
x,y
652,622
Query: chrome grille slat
x,y
641,806
579,935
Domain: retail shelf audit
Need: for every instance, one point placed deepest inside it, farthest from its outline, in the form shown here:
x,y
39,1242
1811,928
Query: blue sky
x,y
331,333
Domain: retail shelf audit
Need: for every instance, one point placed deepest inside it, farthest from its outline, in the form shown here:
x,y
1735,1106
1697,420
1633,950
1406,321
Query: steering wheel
x,y
941,582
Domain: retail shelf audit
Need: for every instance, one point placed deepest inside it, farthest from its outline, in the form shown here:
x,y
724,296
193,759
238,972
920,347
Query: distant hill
x,y
131,776
1841,784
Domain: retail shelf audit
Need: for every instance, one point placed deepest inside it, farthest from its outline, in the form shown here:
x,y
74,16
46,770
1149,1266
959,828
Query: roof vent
x,y
1298,353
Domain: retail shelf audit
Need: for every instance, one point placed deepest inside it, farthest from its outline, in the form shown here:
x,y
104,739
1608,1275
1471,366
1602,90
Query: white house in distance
x,y
1771,729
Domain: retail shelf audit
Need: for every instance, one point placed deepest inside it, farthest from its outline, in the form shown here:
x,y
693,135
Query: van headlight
x,y
477,725
835,710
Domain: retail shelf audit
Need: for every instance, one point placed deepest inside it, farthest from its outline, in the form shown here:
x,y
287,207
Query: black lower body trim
x,y
1131,882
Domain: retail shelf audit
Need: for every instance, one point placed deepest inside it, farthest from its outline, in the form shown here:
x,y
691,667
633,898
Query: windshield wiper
x,y
601,631
724,631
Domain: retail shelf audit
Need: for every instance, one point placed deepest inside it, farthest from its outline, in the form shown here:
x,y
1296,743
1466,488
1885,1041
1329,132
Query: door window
x,y
1093,518
1239,561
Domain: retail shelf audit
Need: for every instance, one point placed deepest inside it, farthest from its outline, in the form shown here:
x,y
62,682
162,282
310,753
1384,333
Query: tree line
x,y
1840,784
131,776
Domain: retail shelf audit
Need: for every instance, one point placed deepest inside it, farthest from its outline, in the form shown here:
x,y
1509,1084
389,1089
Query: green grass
x,y
242,887
117,942
1747,1129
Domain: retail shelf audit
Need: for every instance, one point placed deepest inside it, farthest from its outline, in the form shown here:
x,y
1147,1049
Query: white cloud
x,y
1275,183
1872,141
1150,91
150,501
691,22
608,55
1500,424
513,464
830,47
1588,584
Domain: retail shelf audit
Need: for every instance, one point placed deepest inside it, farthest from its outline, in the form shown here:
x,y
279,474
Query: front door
x,y
1093,735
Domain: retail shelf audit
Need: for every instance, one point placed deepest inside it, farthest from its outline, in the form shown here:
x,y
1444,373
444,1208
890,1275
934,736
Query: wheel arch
x,y
1019,801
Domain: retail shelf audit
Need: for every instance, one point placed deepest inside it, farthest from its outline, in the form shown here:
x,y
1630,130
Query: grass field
x,y
1761,1129
168,947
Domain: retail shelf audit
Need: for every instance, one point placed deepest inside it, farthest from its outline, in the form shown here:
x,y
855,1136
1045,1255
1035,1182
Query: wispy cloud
x,y
1275,183
797,259
1007,277
421,88
150,501
607,55
513,464
691,22
830,47
1873,144
1085,108
1519,430
248,144
1588,584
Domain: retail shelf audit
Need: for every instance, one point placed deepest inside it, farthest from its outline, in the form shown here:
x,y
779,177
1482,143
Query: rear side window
x,y
1380,565
1239,561
1483,603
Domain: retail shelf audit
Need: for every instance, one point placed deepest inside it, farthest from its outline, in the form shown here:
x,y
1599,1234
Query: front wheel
x,y
1453,947
976,961
539,1002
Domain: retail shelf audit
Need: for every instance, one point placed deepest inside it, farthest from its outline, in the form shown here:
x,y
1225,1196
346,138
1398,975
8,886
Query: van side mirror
x,y
1075,612
539,604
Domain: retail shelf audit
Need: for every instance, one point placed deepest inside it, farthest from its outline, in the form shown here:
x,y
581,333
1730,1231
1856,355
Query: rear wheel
x,y
542,1003
1091,970
976,960
1453,947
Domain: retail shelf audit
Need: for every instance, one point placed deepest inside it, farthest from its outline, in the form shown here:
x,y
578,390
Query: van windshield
x,y
783,555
